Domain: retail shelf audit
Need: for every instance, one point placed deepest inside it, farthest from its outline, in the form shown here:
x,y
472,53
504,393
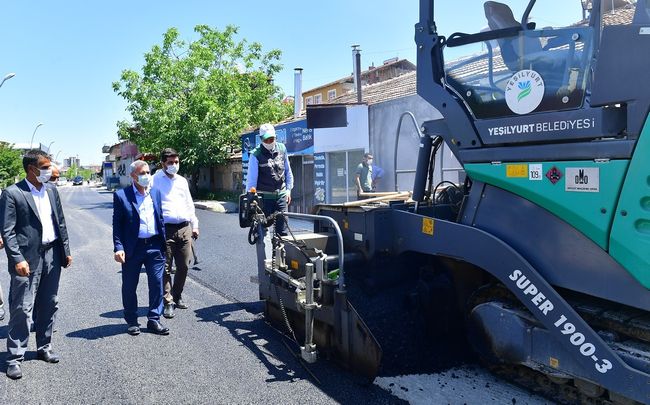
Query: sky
x,y
66,54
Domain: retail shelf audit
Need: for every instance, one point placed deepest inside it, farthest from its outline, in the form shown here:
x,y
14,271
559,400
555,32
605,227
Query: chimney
x,y
297,92
356,60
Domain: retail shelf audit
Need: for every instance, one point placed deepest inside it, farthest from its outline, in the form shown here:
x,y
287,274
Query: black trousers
x,y
272,205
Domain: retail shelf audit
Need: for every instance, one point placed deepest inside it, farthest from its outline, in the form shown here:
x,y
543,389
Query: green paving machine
x,y
540,259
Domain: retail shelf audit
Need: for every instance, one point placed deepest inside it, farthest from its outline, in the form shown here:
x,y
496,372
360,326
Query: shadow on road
x,y
119,314
99,332
245,324
108,205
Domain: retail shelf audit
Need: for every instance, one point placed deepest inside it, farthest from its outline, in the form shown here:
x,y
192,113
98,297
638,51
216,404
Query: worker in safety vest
x,y
270,174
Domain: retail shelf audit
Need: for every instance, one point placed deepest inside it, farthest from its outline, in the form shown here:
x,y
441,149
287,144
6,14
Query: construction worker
x,y
270,174
364,176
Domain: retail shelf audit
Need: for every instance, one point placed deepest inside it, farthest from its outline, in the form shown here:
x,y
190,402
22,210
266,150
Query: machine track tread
x,y
623,322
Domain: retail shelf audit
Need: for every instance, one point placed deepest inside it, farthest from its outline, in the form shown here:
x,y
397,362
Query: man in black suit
x,y
36,242
139,240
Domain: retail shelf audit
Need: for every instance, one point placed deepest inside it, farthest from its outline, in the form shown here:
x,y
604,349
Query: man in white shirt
x,y
36,242
181,226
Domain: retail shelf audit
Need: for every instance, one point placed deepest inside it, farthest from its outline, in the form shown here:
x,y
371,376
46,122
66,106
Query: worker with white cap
x,y
269,173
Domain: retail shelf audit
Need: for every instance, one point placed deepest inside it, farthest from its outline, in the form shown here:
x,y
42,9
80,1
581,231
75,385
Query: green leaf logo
x,y
525,89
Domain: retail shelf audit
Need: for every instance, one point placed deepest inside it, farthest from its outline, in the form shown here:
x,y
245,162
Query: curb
x,y
216,206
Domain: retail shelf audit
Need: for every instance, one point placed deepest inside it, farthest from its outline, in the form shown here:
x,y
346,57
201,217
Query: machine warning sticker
x,y
554,174
582,179
517,171
535,172
427,226
524,91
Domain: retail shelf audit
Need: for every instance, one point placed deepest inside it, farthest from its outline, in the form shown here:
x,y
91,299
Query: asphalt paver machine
x,y
541,257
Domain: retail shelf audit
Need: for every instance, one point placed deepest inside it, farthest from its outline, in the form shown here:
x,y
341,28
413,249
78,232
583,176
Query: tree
x,y
11,165
198,97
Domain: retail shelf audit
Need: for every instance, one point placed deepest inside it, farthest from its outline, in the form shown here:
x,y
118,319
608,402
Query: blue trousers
x,y
33,297
152,257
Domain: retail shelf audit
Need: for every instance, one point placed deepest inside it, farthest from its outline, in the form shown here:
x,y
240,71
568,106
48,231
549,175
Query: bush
x,y
218,195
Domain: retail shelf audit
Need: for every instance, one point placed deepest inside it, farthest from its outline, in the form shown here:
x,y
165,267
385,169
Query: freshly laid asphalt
x,y
219,351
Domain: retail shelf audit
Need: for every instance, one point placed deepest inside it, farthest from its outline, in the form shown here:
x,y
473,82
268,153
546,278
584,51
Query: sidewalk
x,y
224,207
216,206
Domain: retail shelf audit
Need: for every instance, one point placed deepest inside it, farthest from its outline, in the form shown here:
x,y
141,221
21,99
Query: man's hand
x,y
2,244
22,268
119,256
195,234
288,199
68,262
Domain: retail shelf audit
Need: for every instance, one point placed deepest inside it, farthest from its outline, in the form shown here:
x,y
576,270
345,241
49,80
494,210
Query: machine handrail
x,y
339,236
399,127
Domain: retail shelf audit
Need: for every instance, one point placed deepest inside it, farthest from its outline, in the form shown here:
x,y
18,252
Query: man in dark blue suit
x,y
139,239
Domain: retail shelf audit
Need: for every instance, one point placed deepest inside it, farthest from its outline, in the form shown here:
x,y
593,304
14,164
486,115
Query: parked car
x,y
77,181
62,181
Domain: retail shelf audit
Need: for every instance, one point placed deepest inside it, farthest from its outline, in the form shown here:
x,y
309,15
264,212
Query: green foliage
x,y
198,97
218,196
11,165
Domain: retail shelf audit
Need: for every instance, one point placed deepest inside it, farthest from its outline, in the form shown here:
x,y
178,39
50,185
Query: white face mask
x,y
144,180
44,175
172,169
269,146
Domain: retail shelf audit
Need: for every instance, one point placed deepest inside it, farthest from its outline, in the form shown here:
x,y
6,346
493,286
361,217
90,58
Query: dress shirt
x,y
253,172
177,204
44,208
147,214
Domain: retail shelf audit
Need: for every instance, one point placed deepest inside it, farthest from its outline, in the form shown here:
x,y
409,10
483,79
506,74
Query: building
x,y
226,177
115,168
24,147
71,161
326,93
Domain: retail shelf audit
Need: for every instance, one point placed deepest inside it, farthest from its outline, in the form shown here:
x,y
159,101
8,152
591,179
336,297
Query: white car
x,y
62,181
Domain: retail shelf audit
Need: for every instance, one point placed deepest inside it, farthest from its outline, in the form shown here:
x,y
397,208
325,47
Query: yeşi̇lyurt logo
x,y
524,91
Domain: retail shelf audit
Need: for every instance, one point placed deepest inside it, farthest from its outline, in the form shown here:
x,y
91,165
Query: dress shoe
x,y
133,330
157,328
168,312
47,356
14,372
180,304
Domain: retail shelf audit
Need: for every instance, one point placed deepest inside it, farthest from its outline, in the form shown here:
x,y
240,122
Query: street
x,y
219,350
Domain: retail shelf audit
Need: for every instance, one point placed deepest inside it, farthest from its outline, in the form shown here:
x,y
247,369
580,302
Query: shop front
x,y
300,147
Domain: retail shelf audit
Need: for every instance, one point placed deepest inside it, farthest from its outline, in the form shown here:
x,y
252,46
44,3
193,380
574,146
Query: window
x,y
318,98
309,100
331,95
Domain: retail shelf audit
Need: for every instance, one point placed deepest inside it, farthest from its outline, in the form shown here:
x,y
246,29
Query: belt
x,y
151,240
179,225
272,195
47,246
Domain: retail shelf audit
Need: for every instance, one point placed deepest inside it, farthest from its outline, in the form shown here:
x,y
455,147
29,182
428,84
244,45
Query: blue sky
x,y
66,54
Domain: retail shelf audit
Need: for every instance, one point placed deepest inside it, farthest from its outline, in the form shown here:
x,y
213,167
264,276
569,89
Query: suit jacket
x,y
126,219
21,227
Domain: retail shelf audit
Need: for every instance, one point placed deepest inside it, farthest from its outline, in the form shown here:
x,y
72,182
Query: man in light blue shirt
x,y
139,240
269,172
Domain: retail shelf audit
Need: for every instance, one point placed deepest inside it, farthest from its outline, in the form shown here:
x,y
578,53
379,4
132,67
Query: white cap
x,y
267,131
